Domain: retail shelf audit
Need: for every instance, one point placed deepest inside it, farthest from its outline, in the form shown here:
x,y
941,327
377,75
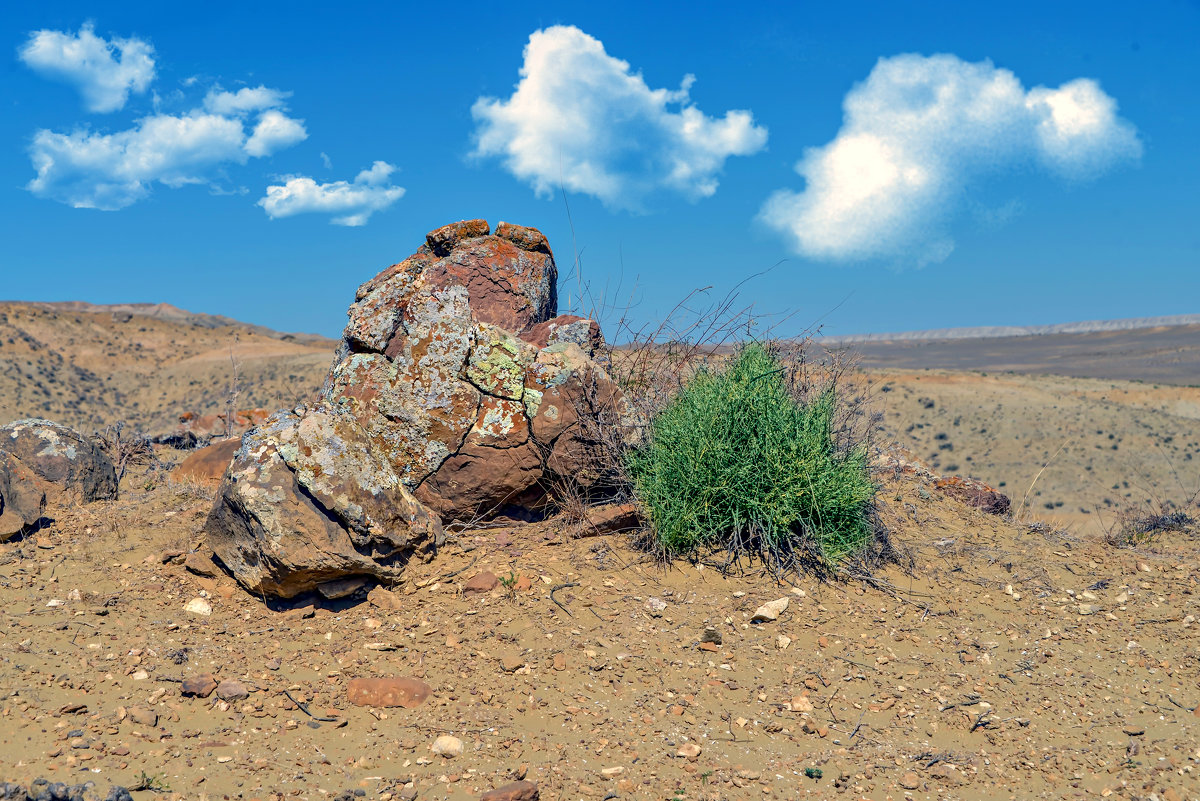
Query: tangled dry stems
x,y
125,446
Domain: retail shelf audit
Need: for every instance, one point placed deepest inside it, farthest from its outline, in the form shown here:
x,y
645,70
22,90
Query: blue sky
x,y
901,166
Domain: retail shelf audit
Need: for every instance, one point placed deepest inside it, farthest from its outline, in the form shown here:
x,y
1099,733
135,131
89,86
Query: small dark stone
x,y
118,793
10,791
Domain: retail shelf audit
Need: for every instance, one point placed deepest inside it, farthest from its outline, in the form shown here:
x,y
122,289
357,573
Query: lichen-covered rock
x,y
454,363
62,458
568,328
22,499
307,500
456,394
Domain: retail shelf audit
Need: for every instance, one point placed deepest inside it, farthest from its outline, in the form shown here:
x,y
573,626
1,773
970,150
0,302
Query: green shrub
x,y
734,461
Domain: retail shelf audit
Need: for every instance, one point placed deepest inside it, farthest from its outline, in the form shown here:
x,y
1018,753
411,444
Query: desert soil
x,y
1076,451
1008,662
1012,658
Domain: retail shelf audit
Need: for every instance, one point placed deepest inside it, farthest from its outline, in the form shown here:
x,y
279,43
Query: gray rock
x,y
22,500
61,457
307,501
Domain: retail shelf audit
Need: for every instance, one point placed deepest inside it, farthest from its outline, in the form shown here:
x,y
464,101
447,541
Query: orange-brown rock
x,y
975,493
201,563
514,791
567,328
388,692
208,464
200,685
610,518
481,583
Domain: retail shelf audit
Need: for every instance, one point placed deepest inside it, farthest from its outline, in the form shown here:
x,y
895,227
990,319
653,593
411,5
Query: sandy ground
x,y
1015,659
1010,662
1077,450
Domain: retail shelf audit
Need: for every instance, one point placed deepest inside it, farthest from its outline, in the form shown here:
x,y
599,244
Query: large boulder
x,y
307,501
456,395
65,461
22,499
454,363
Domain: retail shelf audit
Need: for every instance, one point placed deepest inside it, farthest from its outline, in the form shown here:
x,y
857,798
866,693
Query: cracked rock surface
x,y
456,394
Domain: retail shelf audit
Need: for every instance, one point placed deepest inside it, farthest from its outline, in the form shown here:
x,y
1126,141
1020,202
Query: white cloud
x,y
582,118
104,72
273,132
111,171
354,202
917,134
90,169
243,100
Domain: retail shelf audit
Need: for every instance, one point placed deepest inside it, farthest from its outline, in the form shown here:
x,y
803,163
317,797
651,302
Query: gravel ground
x,y
1012,661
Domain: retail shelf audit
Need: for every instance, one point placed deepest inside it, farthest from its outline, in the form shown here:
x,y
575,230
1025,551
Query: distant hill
x,y
1164,350
88,366
169,313
996,331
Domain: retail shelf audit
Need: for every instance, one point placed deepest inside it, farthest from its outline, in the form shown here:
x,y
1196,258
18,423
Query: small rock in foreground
x,y
514,791
447,746
388,692
770,611
481,584
199,686
230,690
198,606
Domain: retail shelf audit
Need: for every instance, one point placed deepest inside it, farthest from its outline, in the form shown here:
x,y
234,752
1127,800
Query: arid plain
x,y
1015,657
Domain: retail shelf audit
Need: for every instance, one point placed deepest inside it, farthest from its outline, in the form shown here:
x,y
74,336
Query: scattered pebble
x,y
198,606
769,611
447,746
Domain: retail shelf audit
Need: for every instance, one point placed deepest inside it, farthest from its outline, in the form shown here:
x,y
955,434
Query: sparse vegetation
x,y
1136,526
736,462
125,447
151,782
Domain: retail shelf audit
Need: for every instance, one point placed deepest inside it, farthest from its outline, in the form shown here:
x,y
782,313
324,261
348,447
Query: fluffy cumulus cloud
x,y
582,118
918,134
104,71
96,169
87,169
112,171
353,202
274,131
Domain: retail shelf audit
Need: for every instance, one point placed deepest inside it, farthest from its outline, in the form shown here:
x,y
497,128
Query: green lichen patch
x,y
498,363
